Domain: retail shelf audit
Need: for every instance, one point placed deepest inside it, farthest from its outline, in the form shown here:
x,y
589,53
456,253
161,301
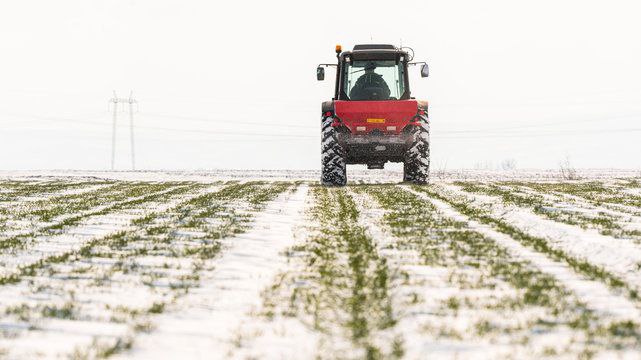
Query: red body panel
x,y
382,115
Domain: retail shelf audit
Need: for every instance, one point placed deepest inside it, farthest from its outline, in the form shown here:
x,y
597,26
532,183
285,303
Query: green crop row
x,y
344,285
606,224
619,334
168,237
13,190
121,200
539,244
595,192
478,263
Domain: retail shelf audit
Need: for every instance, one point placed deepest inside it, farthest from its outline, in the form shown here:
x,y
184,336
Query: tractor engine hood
x,y
387,117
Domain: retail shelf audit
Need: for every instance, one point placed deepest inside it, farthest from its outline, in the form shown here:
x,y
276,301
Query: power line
x,y
238,133
435,135
510,131
540,125
233,122
548,134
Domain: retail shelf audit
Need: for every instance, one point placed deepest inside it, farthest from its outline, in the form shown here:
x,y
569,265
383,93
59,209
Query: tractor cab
x,y
372,72
372,118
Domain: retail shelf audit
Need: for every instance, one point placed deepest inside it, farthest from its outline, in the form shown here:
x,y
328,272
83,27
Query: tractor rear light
x,y
421,112
328,114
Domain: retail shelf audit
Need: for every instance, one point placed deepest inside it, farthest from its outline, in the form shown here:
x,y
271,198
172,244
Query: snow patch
x,y
212,320
594,294
619,256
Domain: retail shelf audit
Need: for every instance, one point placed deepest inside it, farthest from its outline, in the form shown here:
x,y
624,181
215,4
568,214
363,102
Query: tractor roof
x,y
374,52
374,47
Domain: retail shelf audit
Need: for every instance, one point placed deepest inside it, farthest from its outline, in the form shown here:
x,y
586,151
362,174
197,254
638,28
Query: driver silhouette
x,y
370,86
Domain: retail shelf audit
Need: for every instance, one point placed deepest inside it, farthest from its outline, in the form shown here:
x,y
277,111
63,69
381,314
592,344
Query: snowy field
x,y
269,265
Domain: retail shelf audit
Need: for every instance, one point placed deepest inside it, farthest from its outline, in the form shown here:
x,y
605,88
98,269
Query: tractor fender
x,y
327,106
422,106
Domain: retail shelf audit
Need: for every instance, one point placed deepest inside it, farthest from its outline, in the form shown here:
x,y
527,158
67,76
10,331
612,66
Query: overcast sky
x,y
232,84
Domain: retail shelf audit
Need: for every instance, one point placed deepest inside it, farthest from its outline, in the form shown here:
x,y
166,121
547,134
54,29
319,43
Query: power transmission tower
x,y
115,101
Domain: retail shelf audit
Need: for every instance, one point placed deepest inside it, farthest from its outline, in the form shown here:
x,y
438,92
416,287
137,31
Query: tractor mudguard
x,y
327,106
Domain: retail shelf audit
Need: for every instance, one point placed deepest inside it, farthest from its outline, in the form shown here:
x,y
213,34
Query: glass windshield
x,y
374,80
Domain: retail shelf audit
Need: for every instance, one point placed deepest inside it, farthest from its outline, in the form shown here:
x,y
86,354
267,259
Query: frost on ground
x,y
270,265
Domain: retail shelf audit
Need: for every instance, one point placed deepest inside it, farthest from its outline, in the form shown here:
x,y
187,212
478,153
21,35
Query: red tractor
x,y
372,118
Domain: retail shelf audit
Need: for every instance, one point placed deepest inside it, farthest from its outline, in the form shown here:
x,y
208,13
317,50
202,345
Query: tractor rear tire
x,y
416,165
333,166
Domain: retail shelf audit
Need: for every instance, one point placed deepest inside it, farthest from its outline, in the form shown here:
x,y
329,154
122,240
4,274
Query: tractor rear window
x,y
374,80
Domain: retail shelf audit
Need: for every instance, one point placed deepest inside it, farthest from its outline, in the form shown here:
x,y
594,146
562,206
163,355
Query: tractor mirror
x,y
320,74
425,70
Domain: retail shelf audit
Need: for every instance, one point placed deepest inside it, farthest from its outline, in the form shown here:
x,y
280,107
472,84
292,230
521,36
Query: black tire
x,y
416,166
333,166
